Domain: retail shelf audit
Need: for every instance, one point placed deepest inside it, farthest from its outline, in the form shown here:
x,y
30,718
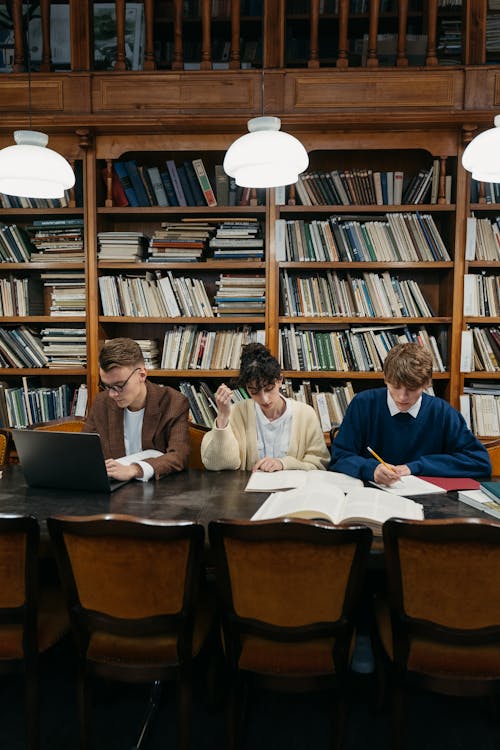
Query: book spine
x,y
176,183
137,184
126,183
205,185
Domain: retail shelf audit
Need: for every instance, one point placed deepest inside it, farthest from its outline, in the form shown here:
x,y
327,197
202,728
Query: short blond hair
x,y
408,365
120,352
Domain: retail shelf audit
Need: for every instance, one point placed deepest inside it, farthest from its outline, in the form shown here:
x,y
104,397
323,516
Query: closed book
x,y
186,187
221,186
158,186
198,197
481,500
117,192
137,184
174,176
169,188
205,185
126,183
492,489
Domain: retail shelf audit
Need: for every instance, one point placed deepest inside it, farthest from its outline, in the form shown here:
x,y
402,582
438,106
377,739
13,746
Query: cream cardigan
x,y
235,446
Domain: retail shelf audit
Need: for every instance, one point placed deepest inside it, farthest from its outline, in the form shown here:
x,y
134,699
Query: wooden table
x,y
191,495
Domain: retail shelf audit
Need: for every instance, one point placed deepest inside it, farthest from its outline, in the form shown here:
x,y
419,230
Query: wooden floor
x,y
275,722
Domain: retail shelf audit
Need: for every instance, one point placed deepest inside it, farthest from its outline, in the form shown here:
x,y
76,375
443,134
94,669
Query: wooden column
x,y
120,62
17,20
235,57
372,59
313,61
343,52
46,61
401,58
432,7
206,41
178,58
149,52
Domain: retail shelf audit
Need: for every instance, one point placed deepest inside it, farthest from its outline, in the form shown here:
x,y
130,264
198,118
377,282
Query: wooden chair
x,y
440,628
132,588
493,449
5,444
196,433
288,592
64,424
32,618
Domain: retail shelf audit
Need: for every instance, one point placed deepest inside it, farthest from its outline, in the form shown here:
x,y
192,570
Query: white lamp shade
x,y
31,170
482,155
265,157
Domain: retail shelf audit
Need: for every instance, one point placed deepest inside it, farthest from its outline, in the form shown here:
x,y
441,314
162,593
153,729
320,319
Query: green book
x,y
492,489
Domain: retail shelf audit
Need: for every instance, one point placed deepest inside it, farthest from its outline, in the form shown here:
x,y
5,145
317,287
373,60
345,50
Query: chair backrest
x,y
19,541
4,443
493,449
64,424
196,433
129,576
443,581
289,580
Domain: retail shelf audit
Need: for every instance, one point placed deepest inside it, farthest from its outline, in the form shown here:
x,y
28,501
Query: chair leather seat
x,y
272,657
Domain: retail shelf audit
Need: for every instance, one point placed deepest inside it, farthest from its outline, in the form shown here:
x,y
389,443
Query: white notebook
x,y
409,486
267,481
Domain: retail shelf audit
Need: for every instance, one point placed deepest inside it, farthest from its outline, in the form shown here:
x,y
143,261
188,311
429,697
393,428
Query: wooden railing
x,y
167,22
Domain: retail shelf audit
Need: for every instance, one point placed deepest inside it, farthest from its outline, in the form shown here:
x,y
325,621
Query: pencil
x,y
380,460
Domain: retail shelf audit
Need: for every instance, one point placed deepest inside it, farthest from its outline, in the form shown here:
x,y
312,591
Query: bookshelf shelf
x,y
363,321
348,375
208,321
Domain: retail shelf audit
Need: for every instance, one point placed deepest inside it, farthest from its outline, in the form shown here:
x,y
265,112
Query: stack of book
x,y
67,293
186,347
369,295
480,407
202,406
349,350
401,237
240,295
122,246
486,499
238,239
21,296
21,347
57,240
179,241
170,184
65,347
150,349
15,244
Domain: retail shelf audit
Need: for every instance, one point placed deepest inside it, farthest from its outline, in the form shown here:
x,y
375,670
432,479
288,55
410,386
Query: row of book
x,y
481,295
481,410
22,296
64,348
482,239
367,187
352,349
188,348
402,237
484,191
27,405
340,294
480,349
14,201
44,239
191,240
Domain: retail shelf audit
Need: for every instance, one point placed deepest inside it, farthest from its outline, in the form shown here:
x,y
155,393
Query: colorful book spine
x,y
205,185
174,176
126,183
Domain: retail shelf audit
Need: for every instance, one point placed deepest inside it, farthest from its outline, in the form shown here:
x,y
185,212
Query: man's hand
x,y
268,464
390,474
119,471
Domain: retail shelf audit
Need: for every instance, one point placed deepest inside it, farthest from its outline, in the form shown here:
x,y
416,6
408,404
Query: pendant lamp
x,y
482,155
265,156
30,169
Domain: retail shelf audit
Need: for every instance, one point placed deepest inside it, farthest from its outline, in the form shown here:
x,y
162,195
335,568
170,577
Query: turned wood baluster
x,y
17,20
108,200
178,57
482,193
401,58
72,193
46,61
235,57
343,53
120,62
206,42
372,59
442,180
149,52
292,195
313,61
432,9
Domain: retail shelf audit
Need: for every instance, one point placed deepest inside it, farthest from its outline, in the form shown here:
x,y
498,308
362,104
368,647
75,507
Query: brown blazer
x,y
165,427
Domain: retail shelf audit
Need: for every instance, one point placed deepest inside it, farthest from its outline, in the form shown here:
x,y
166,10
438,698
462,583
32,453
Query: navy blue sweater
x,y
437,442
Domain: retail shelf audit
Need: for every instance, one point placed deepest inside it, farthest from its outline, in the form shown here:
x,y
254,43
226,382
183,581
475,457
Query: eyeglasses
x,y
117,387
267,389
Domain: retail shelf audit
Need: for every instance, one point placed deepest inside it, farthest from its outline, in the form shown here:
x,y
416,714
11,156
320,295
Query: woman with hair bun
x,y
266,432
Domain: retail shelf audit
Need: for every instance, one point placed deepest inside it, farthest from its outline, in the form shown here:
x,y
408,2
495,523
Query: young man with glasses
x,y
132,415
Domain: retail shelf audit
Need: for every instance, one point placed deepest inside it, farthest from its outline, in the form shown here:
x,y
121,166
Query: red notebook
x,y
453,483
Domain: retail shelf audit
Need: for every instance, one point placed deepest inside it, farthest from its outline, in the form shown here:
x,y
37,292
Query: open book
x,y
365,505
266,481
409,486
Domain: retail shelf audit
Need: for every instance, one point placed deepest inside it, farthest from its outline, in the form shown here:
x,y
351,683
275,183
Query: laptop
x,y
63,460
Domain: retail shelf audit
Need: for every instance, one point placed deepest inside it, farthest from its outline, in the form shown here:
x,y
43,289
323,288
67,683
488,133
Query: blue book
x,y
181,171
383,182
174,176
169,189
126,183
194,184
137,184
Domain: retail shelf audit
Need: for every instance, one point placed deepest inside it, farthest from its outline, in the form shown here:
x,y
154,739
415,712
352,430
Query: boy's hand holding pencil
x,y
387,473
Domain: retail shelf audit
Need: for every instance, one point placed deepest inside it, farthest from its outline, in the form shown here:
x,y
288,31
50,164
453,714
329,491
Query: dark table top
x,y
190,495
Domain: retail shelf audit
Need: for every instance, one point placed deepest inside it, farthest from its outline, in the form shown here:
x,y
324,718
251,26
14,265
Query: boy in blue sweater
x,y
413,432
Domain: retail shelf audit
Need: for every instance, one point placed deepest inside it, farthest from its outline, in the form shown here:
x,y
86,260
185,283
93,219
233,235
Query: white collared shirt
x,y
132,435
273,437
393,409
